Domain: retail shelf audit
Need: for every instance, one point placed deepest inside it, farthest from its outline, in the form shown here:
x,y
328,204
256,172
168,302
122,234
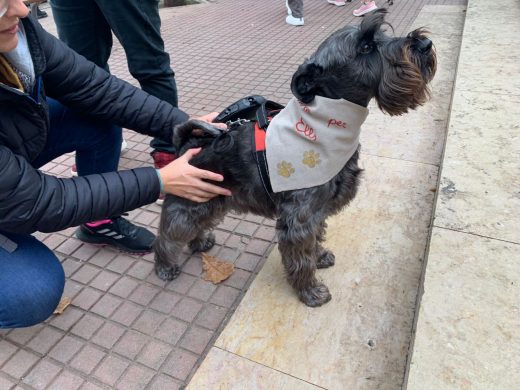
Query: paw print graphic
x,y
311,158
285,169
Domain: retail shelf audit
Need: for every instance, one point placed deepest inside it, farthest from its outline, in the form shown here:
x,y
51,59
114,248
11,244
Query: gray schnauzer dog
x,y
354,63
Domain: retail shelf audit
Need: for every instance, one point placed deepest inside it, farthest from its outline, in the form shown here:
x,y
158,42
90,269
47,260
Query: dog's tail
x,y
193,128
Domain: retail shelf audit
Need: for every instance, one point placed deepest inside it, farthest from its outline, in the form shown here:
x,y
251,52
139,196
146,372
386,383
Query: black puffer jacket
x,y
32,201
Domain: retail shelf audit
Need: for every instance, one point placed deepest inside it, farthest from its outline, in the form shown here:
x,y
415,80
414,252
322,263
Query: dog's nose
x,y
423,45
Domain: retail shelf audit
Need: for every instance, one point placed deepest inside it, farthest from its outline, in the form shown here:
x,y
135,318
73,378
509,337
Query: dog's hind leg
x,y
203,242
324,257
297,241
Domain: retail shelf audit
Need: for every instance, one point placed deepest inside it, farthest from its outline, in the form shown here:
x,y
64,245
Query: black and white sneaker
x,y
120,233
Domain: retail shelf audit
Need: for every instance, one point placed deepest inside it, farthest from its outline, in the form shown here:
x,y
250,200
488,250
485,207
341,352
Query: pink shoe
x,y
339,3
366,7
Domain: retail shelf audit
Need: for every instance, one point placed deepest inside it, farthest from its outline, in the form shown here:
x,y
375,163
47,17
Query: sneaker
x,y
161,159
289,11
294,21
117,232
339,3
74,168
365,8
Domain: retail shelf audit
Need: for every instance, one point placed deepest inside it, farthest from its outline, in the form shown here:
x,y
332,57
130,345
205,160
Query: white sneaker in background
x,y
294,21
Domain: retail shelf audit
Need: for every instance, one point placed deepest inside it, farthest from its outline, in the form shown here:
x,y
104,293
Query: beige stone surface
x,y
480,185
468,331
359,340
222,370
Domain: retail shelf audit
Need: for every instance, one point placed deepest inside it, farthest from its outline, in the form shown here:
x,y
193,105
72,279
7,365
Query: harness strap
x,y
7,244
259,135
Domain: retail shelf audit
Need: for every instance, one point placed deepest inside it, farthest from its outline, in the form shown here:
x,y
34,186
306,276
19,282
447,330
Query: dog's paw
x,y
167,272
327,259
315,296
202,245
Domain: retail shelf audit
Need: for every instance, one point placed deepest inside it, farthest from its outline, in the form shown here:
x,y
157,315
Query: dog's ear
x,y
305,81
371,24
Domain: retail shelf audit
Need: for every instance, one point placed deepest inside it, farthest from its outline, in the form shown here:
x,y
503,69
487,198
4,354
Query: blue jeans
x,y
31,277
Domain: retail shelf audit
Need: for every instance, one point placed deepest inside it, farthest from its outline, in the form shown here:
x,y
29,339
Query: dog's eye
x,y
366,48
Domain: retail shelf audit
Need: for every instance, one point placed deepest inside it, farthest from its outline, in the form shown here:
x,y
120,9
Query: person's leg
x,y
296,7
82,26
97,145
137,25
31,282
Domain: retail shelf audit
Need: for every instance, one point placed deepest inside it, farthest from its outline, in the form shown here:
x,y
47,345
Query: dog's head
x,y
361,63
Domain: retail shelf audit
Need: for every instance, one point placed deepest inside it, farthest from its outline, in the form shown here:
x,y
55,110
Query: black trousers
x,y
87,25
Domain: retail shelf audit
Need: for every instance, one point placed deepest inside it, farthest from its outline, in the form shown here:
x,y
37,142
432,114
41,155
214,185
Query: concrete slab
x,y
467,334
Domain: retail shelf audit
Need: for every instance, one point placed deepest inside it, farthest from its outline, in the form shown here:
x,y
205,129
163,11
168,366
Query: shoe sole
x,y
100,242
364,12
337,5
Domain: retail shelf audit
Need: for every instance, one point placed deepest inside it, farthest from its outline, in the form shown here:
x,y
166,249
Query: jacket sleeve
x,y
33,201
85,87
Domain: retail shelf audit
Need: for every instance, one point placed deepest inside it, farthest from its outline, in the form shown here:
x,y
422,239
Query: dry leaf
x,y
64,302
216,270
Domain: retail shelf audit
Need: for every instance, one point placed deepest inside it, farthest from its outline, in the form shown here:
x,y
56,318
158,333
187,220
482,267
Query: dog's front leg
x,y
297,241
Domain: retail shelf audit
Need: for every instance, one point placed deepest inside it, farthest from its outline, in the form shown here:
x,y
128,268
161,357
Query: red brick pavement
x,y
126,328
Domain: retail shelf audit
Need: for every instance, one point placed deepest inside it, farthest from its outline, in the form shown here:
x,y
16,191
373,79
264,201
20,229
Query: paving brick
x,y
87,326
202,290
193,266
259,247
104,280
196,339
90,386
248,261
135,378
106,305
154,354
6,384
110,370
228,254
70,266
19,364
108,335
148,322
85,274
124,287
42,374
85,252
130,344
127,313
267,233
65,349
69,246
246,228
238,279
141,270
187,309
7,350
66,381
86,298
120,264
182,283
225,296
72,289
165,301
102,258
180,364
67,319
45,340
171,331
165,382
87,359
211,316
23,335
144,294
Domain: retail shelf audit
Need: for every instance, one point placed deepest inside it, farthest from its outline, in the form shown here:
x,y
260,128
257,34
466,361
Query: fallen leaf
x,y
215,270
64,302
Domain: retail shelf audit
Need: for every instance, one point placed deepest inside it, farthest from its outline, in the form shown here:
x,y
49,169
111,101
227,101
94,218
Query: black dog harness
x,y
264,114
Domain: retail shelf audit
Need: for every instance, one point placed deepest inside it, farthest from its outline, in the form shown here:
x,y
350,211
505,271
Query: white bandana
x,y
308,144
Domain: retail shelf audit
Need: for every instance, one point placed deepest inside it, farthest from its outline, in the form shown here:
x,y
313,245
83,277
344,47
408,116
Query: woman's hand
x,y
182,179
209,118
